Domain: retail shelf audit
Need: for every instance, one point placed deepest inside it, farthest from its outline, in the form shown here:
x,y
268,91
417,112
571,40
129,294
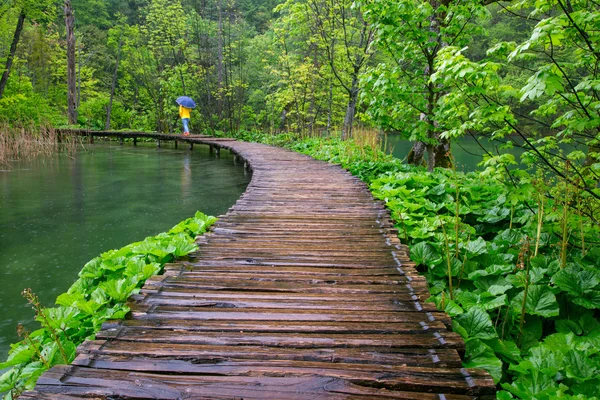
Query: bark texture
x,y
71,81
12,51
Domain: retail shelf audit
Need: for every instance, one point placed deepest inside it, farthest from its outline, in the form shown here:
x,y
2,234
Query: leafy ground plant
x,y
98,295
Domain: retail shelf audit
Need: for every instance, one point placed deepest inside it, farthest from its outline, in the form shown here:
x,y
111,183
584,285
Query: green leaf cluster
x,y
104,285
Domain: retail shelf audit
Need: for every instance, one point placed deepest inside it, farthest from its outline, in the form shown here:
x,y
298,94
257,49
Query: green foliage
x,y
92,114
98,295
541,92
412,34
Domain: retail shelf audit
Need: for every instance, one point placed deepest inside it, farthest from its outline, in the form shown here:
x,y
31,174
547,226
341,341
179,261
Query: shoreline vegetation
x,y
104,285
26,141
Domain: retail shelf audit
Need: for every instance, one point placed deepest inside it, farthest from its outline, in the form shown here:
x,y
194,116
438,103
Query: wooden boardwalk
x,y
301,291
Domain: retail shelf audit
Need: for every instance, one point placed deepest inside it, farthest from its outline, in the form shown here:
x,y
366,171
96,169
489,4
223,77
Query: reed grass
x,y
368,138
28,140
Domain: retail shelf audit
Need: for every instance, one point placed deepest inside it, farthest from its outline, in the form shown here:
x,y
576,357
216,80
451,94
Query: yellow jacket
x,y
184,112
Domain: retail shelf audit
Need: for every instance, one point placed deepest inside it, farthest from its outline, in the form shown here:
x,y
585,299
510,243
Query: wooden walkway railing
x,y
301,291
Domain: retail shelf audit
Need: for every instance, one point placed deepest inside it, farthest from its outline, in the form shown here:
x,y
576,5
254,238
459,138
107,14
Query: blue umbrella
x,y
186,102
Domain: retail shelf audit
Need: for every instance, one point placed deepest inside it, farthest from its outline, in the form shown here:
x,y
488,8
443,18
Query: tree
x,y
38,10
71,82
165,30
346,38
401,95
561,90
13,49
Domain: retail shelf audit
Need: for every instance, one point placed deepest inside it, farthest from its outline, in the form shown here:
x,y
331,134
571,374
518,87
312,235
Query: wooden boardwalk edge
x,y
301,290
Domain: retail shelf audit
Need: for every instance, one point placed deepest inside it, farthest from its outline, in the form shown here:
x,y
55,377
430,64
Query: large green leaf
x,y
32,372
580,366
476,247
505,348
576,281
476,324
484,301
59,317
20,353
119,289
480,355
540,301
9,379
582,286
493,284
425,254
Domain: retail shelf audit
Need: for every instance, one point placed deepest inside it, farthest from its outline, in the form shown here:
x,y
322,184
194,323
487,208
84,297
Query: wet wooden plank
x,y
276,314
207,302
426,339
206,354
301,291
139,385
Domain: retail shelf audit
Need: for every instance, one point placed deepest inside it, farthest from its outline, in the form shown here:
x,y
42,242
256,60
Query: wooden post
x,y
157,142
135,141
176,141
191,146
211,148
90,138
121,140
218,151
235,159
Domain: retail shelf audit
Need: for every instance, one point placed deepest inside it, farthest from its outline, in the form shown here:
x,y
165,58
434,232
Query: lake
x,y
58,213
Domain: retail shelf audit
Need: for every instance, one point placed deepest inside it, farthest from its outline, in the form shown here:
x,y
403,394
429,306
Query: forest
x,y
511,251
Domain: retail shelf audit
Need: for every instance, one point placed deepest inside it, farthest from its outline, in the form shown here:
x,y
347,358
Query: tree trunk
x,y
220,58
443,154
416,156
78,63
114,84
71,82
11,54
350,110
329,107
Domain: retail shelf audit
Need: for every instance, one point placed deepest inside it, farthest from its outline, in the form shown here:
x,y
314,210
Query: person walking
x,y
184,113
185,107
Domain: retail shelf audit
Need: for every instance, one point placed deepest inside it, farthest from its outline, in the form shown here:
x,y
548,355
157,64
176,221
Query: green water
x,y
56,214
467,152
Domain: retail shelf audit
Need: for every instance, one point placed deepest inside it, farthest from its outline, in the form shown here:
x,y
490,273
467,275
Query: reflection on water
x,y
56,214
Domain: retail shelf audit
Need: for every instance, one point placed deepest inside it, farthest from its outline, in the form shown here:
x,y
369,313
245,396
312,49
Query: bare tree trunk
x,y
78,63
114,83
220,57
350,109
329,107
416,156
71,82
11,54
